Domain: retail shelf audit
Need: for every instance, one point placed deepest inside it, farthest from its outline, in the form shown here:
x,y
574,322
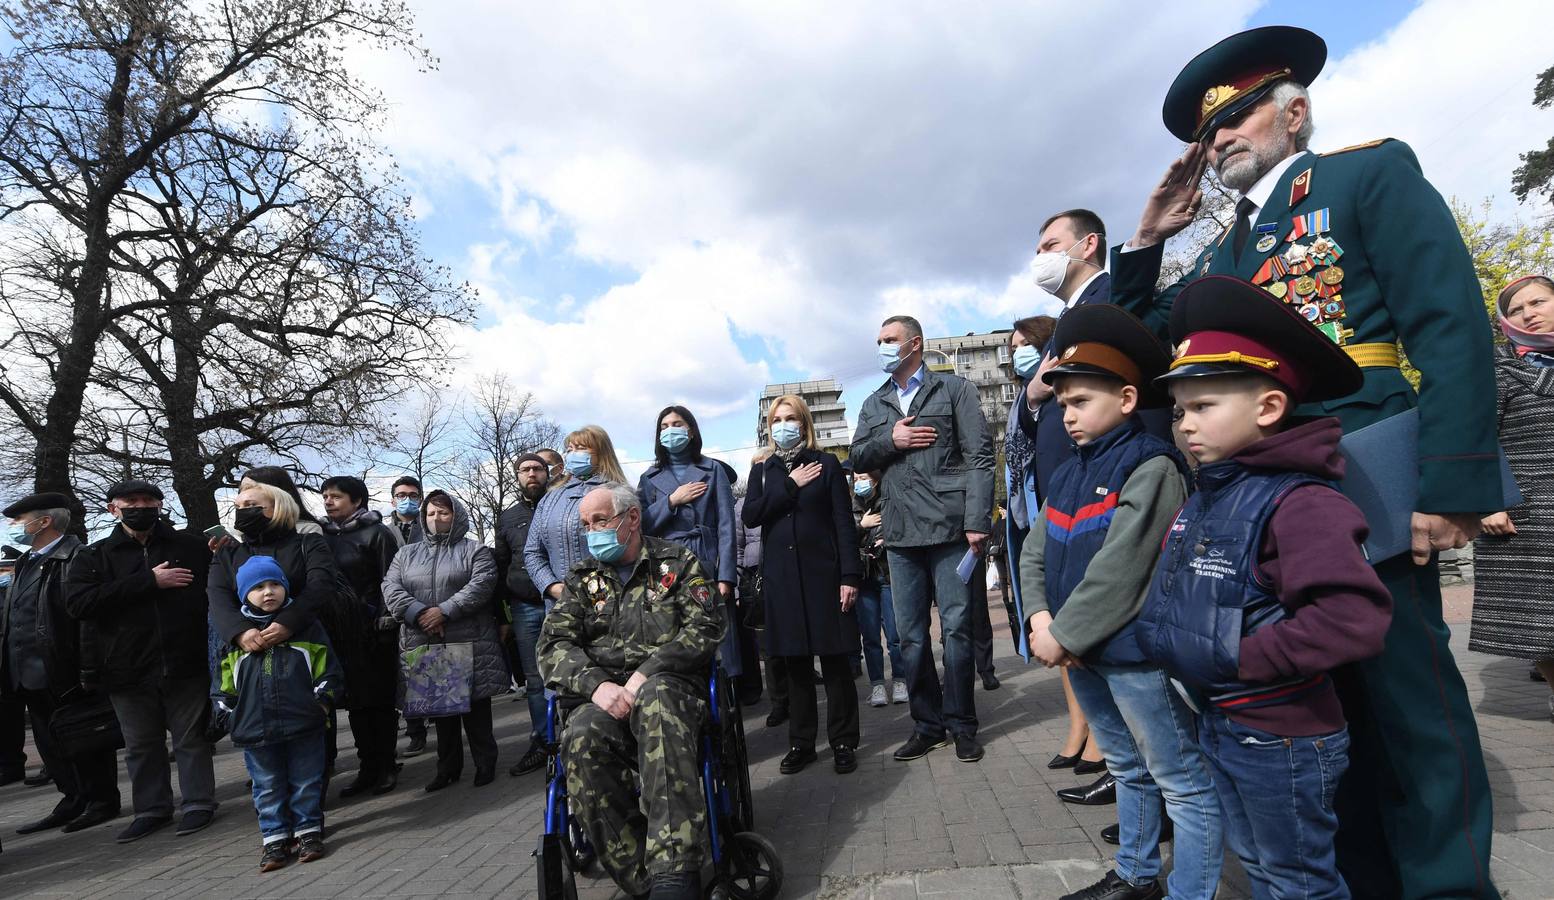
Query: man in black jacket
x,y
41,660
142,591
524,605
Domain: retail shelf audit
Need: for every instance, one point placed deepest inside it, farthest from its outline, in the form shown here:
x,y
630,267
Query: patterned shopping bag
x,y
439,679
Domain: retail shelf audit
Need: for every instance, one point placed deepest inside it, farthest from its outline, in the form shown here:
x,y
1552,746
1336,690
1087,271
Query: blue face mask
x,y
675,439
787,434
5,580
890,356
1027,360
408,506
863,488
579,463
606,546
17,535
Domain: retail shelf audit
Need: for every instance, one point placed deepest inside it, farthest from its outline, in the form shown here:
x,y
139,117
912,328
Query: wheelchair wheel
x,y
736,762
580,853
754,870
553,871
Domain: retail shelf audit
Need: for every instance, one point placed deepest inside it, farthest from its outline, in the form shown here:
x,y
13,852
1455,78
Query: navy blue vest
x,y
1207,594
1081,501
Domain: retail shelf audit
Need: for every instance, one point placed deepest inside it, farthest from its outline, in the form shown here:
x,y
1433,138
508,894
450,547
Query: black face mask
x,y
140,518
251,521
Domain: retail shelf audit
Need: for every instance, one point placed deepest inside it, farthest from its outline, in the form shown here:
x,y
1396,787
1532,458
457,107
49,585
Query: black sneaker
x,y
797,759
533,760
918,746
1114,888
275,856
142,826
195,820
989,681
967,749
310,847
843,759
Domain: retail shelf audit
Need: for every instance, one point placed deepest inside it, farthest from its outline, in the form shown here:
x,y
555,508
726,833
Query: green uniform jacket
x,y
666,618
1406,275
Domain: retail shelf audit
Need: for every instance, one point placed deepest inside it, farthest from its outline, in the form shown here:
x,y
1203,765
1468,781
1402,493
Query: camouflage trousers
x,y
662,831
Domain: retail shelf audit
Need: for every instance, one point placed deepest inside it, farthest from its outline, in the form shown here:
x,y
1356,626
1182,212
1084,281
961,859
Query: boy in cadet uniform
x,y
1084,571
1263,587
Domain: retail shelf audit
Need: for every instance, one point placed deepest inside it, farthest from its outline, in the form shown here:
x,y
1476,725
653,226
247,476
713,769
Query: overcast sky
x,y
676,202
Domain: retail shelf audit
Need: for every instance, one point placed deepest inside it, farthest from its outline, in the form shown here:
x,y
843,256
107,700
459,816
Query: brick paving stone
x,y
932,827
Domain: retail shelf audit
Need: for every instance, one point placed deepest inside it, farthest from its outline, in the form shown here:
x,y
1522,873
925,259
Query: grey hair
x,y
59,519
622,497
1281,95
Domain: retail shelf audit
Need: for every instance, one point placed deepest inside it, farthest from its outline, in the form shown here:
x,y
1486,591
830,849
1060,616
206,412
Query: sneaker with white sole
x,y
900,695
877,695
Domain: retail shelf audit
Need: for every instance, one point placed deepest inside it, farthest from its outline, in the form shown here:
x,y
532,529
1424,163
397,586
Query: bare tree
x,y
421,438
502,424
91,95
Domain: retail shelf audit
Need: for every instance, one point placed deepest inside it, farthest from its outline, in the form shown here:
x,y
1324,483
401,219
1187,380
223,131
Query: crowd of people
x,y
1240,670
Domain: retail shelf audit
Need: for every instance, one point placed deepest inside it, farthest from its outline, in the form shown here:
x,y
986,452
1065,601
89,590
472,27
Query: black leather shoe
x,y
195,820
797,759
49,822
777,716
1098,793
1088,767
388,782
440,782
533,760
918,747
93,816
417,745
39,780
361,784
967,749
844,760
142,826
1063,762
1114,888
990,681
484,777
1112,834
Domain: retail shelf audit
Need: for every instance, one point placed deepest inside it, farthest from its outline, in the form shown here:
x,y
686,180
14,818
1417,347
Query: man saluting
x,y
1364,248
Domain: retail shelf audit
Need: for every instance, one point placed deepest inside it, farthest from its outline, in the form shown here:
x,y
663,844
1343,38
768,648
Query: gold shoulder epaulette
x,y
1365,146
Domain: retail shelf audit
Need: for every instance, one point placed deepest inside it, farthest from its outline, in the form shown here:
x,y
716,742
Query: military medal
x,y
1311,313
1266,243
1333,308
1336,332
1310,223
1300,187
1278,289
1305,286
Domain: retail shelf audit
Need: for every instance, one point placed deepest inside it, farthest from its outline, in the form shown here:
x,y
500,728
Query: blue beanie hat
x,y
257,570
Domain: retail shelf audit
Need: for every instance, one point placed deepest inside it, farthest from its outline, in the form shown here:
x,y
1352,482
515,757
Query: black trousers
x,y
374,720
981,620
88,779
13,736
748,686
841,701
777,681
482,741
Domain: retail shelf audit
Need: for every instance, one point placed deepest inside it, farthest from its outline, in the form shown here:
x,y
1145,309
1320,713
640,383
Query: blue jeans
x,y
1147,735
527,619
1277,794
935,708
875,611
288,786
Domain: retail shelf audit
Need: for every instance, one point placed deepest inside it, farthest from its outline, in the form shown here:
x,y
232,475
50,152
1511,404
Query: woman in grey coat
x,y
441,590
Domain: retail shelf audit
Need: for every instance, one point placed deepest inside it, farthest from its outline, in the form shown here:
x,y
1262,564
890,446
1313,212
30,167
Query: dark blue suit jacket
x,y
1046,427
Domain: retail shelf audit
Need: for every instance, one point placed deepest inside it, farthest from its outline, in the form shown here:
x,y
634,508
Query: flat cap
x,y
35,502
131,486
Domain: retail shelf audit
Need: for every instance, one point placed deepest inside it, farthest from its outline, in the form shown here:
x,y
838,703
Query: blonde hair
x,y
800,407
606,463
284,512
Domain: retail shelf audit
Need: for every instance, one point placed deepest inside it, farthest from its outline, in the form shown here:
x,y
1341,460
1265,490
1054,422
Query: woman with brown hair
x,y
556,540
810,571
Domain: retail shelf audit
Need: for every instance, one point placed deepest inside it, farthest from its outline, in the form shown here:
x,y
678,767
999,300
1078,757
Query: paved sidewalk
x,y
931,828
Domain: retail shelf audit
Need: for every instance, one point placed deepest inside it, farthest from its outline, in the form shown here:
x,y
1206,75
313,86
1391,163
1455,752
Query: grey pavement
x,y
931,828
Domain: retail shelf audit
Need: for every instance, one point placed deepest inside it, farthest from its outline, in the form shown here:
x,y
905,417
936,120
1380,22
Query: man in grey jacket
x,y
925,432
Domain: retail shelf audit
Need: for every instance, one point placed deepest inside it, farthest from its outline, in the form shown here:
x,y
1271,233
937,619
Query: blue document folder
x,y
1381,476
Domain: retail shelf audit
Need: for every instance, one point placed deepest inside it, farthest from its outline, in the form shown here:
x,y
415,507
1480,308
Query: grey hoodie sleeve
x,y
1112,591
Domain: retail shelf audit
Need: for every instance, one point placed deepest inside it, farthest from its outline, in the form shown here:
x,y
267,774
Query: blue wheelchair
x,y
746,865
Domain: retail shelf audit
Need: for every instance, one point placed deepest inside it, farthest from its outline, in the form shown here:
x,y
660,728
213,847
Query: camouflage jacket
x,y
666,618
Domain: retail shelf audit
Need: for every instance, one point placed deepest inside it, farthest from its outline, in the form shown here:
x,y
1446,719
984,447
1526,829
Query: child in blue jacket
x,y
278,700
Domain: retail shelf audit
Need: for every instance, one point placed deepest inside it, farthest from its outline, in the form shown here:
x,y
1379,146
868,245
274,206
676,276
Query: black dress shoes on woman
x,y
440,782
1098,793
1063,762
1089,767
796,760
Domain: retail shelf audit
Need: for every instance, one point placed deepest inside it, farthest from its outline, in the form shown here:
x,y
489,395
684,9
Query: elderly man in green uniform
x,y
1364,247
634,632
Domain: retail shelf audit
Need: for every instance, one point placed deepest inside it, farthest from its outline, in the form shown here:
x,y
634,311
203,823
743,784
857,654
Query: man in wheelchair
x,y
635,632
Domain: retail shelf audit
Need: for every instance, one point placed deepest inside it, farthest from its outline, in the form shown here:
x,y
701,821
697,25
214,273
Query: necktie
x,y
1243,226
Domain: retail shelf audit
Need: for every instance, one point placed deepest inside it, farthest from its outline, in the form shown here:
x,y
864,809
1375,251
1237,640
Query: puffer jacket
x,y
458,576
279,694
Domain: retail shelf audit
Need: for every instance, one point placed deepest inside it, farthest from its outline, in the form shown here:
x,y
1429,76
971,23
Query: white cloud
x,y
787,174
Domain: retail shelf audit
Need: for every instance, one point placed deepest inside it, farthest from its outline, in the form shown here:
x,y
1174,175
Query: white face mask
x,y
1049,268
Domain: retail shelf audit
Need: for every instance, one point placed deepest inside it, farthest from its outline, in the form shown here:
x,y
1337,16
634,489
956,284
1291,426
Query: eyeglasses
x,y
602,524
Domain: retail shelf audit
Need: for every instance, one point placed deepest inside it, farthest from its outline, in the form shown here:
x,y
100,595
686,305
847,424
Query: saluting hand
x,y
912,437
1175,201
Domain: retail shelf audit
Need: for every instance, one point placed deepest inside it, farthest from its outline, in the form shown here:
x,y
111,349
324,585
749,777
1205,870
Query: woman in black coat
x,y
810,571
